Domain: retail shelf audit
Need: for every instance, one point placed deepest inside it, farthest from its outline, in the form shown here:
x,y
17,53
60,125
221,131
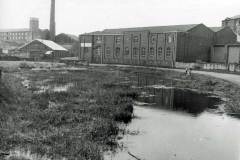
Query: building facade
x,y
154,46
234,24
23,35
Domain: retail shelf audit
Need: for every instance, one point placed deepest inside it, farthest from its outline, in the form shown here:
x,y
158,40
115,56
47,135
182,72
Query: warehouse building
x,y
154,46
43,49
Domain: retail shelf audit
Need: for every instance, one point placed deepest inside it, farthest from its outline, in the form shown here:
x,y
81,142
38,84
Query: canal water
x,y
177,124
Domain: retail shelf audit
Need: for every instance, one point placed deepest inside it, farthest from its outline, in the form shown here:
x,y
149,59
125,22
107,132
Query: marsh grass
x,y
79,123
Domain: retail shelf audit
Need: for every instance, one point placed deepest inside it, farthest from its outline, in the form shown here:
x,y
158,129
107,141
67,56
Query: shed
x,y
38,48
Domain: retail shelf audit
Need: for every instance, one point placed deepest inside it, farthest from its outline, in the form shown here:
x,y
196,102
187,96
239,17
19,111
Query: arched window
x,y
117,52
126,52
98,51
135,39
160,51
108,52
151,51
118,39
170,39
143,52
168,52
135,52
153,39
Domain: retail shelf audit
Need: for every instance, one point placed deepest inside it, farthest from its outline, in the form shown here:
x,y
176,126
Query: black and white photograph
x,y
119,80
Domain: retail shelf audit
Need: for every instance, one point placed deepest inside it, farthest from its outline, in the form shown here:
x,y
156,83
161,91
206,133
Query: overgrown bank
x,y
79,123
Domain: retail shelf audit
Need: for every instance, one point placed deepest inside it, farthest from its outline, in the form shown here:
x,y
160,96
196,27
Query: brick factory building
x,y
154,46
24,35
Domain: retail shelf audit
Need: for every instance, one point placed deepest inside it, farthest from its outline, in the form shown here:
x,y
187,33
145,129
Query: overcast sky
x,y
79,16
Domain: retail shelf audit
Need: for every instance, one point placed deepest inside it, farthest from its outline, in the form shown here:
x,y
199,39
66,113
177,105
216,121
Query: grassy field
x,y
61,114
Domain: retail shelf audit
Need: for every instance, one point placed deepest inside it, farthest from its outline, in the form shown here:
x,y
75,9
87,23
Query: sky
x,y
81,16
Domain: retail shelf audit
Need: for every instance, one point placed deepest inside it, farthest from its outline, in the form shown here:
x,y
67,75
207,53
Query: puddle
x,y
55,88
180,100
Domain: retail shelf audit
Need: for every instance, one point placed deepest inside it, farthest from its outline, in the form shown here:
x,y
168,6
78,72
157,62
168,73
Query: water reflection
x,y
160,93
180,100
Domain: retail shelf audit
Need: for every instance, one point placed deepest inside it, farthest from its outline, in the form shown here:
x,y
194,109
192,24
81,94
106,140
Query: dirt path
x,y
226,76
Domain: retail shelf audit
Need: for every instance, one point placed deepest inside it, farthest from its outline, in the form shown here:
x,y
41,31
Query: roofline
x,y
104,34
39,40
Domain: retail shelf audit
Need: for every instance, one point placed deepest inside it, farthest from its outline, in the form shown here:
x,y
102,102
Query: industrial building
x,y
43,49
154,46
234,24
24,35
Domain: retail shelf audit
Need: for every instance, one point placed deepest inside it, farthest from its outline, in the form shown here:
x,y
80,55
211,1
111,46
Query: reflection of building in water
x,y
172,98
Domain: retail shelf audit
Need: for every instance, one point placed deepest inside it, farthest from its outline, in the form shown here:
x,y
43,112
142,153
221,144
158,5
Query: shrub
x,y
24,65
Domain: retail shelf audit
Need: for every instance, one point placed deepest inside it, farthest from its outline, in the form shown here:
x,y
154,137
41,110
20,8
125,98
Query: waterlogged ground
x,y
85,113
178,124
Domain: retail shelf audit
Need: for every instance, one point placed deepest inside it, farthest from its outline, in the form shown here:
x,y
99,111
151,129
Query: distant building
x,y
64,38
44,49
68,41
154,46
24,35
234,24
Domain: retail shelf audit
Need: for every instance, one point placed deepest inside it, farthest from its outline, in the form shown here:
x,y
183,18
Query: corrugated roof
x,y
54,46
15,30
216,29
154,29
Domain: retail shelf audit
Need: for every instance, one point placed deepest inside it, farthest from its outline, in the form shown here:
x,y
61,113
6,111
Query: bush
x,y
26,66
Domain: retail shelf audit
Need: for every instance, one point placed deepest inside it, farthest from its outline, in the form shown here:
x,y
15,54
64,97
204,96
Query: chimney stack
x,y
52,21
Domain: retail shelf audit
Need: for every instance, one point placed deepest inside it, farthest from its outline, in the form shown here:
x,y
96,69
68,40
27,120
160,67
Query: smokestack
x,y
52,21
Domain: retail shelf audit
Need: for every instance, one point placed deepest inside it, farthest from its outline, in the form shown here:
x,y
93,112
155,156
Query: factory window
x,y
135,39
85,49
118,39
99,39
170,39
168,52
143,52
160,50
151,51
117,52
153,39
108,52
135,52
126,51
98,51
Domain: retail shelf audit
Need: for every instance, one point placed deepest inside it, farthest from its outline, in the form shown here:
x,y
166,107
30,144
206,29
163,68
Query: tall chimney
x,y
52,21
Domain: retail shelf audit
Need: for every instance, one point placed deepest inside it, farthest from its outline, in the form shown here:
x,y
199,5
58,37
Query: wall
x,y
198,44
224,36
85,52
219,54
233,54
